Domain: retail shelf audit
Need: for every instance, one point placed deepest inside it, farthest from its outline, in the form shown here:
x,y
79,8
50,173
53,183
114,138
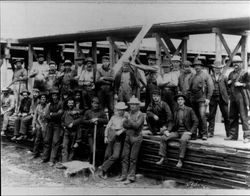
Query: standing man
x,y
159,116
52,139
80,66
39,71
185,80
201,90
219,97
185,123
133,127
105,80
19,81
238,81
7,108
125,83
23,113
168,82
86,80
51,78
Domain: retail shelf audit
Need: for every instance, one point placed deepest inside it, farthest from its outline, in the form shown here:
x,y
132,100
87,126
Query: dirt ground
x,y
19,170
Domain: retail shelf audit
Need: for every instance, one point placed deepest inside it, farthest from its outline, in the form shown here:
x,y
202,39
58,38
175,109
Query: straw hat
x,y
134,100
121,106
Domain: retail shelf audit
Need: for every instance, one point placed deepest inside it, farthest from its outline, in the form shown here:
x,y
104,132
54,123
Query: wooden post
x,y
244,51
7,50
30,64
184,49
75,51
158,52
217,47
111,52
94,51
48,54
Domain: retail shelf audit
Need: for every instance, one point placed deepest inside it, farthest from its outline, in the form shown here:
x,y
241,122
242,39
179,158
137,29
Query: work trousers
x,y
21,124
237,108
131,148
39,140
184,138
69,140
200,111
5,122
154,125
214,102
112,153
106,98
18,87
52,142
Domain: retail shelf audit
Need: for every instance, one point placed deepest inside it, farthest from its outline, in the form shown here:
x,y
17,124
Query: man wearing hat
x,y
133,127
52,77
201,90
19,81
185,80
220,97
239,83
159,116
125,83
7,108
185,124
105,80
94,117
168,82
40,123
79,67
87,81
67,77
39,71
114,137
23,113
53,132
176,61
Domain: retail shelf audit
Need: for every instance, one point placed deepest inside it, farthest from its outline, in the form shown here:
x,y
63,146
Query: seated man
x,y
94,117
114,137
159,116
22,114
185,123
7,108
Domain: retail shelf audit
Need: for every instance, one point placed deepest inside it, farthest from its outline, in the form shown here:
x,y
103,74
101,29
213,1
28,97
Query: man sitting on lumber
x,y
185,123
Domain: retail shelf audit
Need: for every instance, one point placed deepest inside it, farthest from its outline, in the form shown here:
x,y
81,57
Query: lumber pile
x,y
219,166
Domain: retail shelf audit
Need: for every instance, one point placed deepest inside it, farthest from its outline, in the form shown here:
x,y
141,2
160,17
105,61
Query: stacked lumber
x,y
216,165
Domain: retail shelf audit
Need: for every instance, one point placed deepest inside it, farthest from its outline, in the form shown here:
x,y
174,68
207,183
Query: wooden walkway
x,y
224,164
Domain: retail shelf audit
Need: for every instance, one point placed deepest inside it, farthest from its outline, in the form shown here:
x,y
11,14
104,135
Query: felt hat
x,y
120,106
43,93
187,63
217,64
89,59
17,60
152,56
40,55
197,62
134,100
54,91
156,92
25,91
236,59
80,58
179,95
105,57
52,63
176,58
95,100
166,63
67,62
35,90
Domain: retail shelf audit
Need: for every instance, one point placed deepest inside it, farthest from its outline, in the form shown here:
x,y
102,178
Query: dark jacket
x,y
222,86
163,111
190,120
55,112
25,105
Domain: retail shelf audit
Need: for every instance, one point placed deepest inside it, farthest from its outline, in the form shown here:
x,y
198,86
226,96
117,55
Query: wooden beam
x,y
184,50
179,48
222,39
244,51
111,52
133,46
94,51
218,47
111,41
169,44
75,51
7,50
30,64
158,50
162,44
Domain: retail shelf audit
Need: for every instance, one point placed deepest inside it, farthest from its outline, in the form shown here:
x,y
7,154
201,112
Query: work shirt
x,y
40,116
40,71
25,105
55,111
104,73
20,73
216,84
134,123
8,103
171,77
51,80
87,77
34,104
68,117
184,81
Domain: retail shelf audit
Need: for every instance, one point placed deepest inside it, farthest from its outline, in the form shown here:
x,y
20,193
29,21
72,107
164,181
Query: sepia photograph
x,y
121,97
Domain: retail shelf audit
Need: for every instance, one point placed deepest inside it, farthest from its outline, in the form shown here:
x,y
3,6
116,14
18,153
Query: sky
x,y
29,19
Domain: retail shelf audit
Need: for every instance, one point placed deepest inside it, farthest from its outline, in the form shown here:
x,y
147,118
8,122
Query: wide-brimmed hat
x,y
217,64
166,63
187,63
197,62
105,57
156,92
54,91
176,58
89,59
40,55
52,63
237,59
35,90
67,62
134,100
25,91
43,93
120,106
152,56
96,100
17,60
80,58
179,95
6,90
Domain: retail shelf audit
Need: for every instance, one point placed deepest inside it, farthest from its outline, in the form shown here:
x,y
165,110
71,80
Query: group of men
x,y
67,103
